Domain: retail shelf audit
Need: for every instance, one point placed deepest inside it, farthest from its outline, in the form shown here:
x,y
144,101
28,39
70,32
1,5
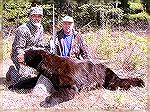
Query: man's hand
x,y
20,58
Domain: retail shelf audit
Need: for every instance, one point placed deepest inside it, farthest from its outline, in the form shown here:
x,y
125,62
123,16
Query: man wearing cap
x,y
28,35
68,42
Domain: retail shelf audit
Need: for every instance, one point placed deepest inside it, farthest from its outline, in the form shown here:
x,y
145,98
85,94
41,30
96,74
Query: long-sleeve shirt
x,y
77,48
27,36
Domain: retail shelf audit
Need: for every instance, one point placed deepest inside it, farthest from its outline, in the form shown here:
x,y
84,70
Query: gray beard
x,y
37,25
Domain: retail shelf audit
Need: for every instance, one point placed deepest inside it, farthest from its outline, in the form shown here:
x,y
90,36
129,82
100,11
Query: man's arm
x,y
82,47
19,43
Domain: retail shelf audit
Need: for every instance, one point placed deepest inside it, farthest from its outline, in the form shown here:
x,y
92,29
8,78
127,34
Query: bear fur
x,y
70,76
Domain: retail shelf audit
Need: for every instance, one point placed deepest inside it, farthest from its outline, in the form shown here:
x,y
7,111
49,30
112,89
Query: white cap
x,y
36,10
68,19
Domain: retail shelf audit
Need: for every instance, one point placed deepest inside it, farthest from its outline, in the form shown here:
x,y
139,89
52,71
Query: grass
x,y
1,51
126,44
134,98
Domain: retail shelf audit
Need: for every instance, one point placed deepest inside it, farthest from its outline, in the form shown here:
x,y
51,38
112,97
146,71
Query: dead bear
x,y
70,76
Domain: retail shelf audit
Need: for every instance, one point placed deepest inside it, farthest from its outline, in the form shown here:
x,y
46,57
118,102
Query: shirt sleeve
x,y
19,44
56,45
82,47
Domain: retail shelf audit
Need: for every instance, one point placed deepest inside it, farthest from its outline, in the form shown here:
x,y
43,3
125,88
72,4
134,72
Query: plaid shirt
x,y
78,48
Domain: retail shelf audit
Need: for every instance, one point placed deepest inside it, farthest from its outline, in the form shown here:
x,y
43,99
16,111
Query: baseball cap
x,y
36,10
68,19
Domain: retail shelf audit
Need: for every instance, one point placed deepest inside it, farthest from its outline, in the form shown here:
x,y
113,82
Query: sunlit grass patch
x,y
130,47
6,47
1,51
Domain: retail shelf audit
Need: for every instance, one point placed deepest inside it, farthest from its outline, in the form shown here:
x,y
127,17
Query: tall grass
x,y
129,46
1,49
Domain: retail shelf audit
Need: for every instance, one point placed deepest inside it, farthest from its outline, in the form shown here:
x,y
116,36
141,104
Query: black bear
x,y
70,76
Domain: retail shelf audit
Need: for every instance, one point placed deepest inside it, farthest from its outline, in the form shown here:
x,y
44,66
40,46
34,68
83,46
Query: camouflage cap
x,y
36,10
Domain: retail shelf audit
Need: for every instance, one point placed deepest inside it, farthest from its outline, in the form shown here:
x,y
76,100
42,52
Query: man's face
x,y
36,18
67,27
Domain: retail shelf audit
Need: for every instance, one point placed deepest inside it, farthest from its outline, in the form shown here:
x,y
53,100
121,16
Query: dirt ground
x,y
135,99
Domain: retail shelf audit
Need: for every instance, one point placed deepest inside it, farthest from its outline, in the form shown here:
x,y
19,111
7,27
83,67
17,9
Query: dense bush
x,y
15,12
88,14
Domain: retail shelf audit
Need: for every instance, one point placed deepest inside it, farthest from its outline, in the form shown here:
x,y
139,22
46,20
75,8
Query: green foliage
x,y
15,10
48,14
137,11
102,14
1,7
105,45
87,13
135,5
141,15
146,3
